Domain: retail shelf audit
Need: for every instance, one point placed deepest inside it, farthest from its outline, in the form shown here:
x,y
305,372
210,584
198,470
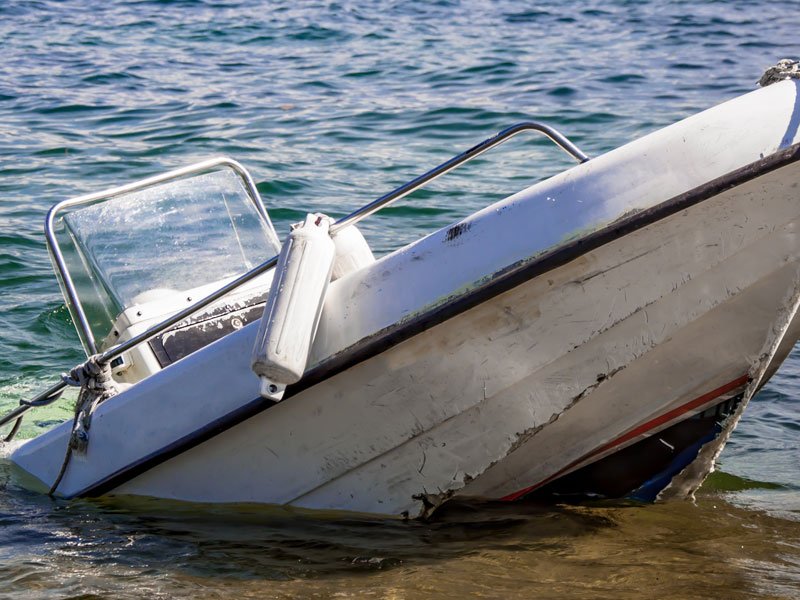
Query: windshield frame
x,y
65,280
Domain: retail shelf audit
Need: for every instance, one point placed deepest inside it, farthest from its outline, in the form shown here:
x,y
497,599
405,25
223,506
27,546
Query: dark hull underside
x,y
642,470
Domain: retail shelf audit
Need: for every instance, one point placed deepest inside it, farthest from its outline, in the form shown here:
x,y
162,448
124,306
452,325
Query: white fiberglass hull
x,y
501,353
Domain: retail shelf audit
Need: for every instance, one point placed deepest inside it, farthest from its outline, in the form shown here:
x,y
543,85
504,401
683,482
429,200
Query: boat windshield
x,y
160,241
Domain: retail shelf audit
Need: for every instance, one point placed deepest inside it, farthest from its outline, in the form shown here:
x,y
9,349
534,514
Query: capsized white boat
x,y
598,333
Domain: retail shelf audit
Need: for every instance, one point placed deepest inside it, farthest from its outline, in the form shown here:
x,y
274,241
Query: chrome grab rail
x,y
404,190
58,257
52,393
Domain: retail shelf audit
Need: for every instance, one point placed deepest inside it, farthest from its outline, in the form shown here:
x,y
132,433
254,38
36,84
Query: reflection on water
x,y
129,548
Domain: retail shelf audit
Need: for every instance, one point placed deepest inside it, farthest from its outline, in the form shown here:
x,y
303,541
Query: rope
x,y
14,429
96,384
31,404
785,69
65,462
44,401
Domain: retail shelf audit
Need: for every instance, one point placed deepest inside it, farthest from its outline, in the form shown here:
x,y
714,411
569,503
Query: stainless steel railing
x,y
54,392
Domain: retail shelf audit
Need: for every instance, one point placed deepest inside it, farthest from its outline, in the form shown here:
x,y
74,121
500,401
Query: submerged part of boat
x,y
597,334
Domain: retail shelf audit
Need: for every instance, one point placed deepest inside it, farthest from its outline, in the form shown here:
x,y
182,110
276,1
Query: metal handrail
x,y
404,190
58,257
558,138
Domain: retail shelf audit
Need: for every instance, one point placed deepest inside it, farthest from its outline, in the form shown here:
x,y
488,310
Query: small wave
x,y
562,90
317,33
111,78
71,109
624,78
528,16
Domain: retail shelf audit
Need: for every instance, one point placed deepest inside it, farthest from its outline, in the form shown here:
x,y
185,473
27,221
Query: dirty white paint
x,y
779,341
511,391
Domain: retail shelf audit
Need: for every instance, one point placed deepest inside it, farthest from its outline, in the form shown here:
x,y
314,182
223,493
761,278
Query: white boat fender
x,y
292,311
352,252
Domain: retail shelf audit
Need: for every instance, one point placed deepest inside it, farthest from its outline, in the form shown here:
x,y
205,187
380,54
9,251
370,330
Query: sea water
x,y
330,105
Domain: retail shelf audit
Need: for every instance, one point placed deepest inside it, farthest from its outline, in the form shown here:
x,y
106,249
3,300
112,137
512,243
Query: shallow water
x,y
330,105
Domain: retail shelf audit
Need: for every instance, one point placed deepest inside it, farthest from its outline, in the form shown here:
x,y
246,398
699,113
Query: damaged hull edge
x,y
655,329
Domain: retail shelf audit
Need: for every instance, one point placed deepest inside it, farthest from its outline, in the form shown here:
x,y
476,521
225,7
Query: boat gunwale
x,y
500,282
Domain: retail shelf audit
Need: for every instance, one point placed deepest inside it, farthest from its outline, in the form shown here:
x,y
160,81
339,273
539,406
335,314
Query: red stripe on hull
x,y
637,431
